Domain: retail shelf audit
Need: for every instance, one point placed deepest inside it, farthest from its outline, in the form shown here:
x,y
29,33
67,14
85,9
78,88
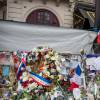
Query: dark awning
x,y
85,6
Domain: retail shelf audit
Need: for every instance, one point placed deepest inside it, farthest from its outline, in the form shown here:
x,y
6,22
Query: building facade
x,y
46,12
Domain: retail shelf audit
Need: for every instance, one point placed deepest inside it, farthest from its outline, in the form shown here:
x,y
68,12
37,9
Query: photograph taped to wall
x,y
5,70
4,58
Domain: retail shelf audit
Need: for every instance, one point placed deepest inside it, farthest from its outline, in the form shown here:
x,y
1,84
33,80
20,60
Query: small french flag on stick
x,y
98,38
78,70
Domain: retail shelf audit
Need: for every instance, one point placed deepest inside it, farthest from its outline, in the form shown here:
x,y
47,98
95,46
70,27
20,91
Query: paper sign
x,y
94,63
76,93
4,58
97,63
5,71
90,61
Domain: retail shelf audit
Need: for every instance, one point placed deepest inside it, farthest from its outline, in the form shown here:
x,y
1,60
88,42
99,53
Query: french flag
x,y
76,79
98,38
78,70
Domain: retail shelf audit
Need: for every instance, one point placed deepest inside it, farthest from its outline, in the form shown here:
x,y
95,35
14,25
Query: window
x,y
42,17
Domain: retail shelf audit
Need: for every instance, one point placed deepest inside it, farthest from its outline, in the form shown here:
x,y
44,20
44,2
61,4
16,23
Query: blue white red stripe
x,y
19,68
40,80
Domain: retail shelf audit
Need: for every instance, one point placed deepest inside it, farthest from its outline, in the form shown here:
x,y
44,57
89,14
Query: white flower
x,y
52,76
47,56
32,86
53,70
25,76
58,68
14,93
61,77
53,58
24,99
46,72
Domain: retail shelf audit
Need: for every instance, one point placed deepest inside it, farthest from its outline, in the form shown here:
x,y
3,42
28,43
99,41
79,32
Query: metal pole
x,y
97,21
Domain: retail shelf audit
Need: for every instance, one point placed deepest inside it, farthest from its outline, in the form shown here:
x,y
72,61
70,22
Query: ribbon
x,y
22,64
36,78
40,80
19,69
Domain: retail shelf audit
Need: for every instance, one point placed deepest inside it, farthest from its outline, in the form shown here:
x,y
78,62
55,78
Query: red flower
x,y
25,84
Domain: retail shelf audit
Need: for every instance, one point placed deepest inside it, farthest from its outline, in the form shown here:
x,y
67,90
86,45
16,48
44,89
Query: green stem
x,y
19,96
62,91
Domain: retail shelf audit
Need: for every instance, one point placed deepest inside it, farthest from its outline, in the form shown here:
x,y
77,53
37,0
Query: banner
x,y
14,36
